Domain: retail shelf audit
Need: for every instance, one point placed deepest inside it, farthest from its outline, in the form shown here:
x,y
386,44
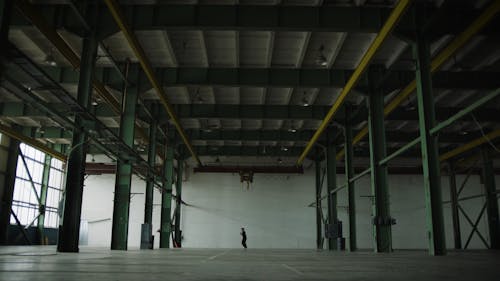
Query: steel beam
x,y
349,174
382,221
121,207
491,198
458,42
283,78
253,169
43,197
119,18
319,222
178,203
274,151
7,188
280,112
166,197
429,147
162,17
331,179
56,133
457,235
69,228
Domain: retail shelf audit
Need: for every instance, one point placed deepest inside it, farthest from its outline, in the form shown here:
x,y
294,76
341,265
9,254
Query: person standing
x,y
243,238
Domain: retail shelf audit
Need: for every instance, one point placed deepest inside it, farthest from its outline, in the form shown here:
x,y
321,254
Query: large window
x,y
28,191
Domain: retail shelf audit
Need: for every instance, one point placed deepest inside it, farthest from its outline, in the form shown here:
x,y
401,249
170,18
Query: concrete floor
x,y
42,263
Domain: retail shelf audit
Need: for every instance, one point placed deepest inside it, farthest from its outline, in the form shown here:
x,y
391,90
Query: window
x,y
27,191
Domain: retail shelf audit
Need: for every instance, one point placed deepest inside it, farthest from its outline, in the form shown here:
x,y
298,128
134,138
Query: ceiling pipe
x,y
148,69
391,22
481,21
51,34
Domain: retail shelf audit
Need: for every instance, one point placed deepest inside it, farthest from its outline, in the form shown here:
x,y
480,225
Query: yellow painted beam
x,y
391,22
470,145
458,42
148,69
32,142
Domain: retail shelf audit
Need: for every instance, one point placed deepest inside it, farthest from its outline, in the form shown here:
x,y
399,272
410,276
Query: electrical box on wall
x,y
333,230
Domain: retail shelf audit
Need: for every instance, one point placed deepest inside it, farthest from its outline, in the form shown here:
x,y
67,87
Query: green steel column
x,y
382,230
148,206
166,197
331,179
69,228
491,199
43,196
349,173
429,147
7,188
178,188
121,207
454,206
319,221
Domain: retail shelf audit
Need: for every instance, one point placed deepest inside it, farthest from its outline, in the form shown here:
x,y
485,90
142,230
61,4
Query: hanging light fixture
x,y
49,59
305,100
198,98
321,59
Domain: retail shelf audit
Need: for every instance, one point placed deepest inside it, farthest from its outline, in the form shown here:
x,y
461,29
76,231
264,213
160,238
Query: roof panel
x,y
189,48
252,95
288,47
227,95
221,48
157,47
278,96
353,50
254,48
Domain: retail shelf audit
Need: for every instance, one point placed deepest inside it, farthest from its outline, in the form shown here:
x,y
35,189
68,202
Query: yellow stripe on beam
x,y
32,142
470,145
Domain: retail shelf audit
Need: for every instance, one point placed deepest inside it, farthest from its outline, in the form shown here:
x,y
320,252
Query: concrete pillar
x,y
349,173
331,179
69,225
382,230
7,187
121,207
491,199
429,147
166,197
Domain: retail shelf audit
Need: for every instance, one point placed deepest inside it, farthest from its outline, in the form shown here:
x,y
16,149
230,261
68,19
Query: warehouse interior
x,y
351,139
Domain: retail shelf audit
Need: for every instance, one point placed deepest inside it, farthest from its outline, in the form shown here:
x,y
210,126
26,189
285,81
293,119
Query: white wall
x,y
97,209
274,211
